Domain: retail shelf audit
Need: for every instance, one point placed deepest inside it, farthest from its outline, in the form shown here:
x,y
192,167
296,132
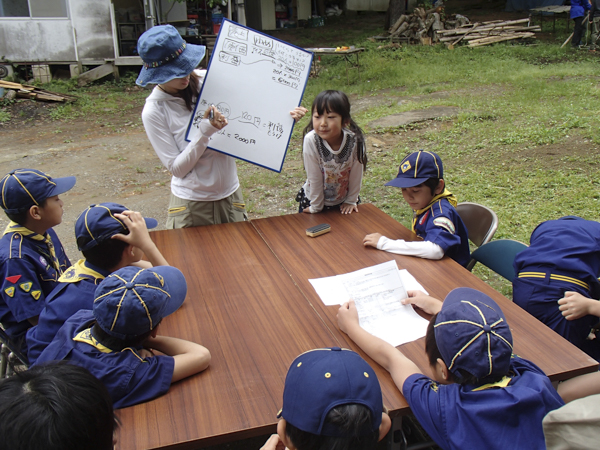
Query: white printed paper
x,y
377,291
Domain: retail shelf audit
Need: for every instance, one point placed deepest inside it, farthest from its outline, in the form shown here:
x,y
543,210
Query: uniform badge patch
x,y
434,386
43,261
13,279
405,166
36,294
444,223
423,218
10,291
26,286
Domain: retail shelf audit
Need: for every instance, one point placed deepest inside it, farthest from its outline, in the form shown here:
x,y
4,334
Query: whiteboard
x,y
254,80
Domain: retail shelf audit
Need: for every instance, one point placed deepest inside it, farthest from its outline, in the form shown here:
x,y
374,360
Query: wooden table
x,y
346,54
251,304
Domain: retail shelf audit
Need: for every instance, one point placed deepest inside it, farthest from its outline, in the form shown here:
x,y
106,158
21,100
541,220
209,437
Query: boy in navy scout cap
x,y
331,400
110,237
557,279
32,257
115,340
483,396
421,178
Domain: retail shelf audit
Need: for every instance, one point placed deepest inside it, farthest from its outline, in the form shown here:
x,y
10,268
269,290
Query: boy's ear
x,y
281,425
386,424
442,369
35,212
440,187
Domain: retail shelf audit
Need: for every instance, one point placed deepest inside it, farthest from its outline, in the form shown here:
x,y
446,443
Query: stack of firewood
x,y
427,27
35,93
418,27
485,33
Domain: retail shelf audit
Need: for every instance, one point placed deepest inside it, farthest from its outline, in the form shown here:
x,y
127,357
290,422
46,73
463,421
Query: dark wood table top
x,y
251,304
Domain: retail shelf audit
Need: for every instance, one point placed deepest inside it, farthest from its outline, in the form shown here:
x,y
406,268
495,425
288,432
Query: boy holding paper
x,y
482,396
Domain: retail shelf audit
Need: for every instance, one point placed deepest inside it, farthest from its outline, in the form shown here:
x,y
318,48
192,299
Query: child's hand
x,y
424,302
298,112
273,443
574,305
138,232
347,208
347,316
371,240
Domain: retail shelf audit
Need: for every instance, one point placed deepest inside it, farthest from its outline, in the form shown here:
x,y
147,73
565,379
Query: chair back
x,y
9,355
481,223
499,255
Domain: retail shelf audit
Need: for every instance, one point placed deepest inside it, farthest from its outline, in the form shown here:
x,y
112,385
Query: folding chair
x,y
481,223
9,355
499,255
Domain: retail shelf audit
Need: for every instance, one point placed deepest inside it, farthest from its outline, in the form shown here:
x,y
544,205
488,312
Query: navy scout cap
x,y
23,188
321,379
133,301
472,334
417,168
98,223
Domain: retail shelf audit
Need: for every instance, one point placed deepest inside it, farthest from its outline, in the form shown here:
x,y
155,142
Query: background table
x,y
346,54
251,304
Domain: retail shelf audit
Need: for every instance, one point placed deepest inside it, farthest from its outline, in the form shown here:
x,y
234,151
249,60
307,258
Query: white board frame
x,y
254,80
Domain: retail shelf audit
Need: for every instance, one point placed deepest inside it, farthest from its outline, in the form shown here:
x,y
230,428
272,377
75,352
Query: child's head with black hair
x,y
332,401
421,178
56,406
29,198
469,340
94,229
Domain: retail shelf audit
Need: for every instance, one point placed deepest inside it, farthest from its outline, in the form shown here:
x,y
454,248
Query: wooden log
x,y
495,39
399,22
401,29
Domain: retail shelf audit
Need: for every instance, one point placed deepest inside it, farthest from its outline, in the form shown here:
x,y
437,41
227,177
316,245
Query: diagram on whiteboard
x,y
254,80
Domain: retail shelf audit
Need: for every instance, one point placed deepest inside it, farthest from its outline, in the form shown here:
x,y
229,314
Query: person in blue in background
x,y
435,219
578,11
110,237
563,259
32,257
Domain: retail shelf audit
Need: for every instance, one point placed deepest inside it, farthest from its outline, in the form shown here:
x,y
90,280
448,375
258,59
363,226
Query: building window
x,y
33,8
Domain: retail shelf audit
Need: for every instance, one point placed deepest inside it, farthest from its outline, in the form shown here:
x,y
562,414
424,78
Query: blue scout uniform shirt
x,y
564,255
440,223
75,291
129,378
507,414
30,269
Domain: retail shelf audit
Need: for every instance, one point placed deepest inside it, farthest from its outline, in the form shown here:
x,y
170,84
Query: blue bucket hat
x,y
132,301
98,223
321,379
417,168
166,55
24,188
472,334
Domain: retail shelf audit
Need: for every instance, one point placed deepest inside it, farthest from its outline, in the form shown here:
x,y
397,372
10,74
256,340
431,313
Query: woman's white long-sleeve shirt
x,y
199,174
332,177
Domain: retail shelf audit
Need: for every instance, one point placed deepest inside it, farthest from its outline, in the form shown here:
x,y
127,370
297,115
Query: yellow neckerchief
x,y
446,194
79,271
500,384
86,337
14,227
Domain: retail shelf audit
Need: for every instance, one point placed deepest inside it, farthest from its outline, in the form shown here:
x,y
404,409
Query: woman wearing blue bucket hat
x,y
205,188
